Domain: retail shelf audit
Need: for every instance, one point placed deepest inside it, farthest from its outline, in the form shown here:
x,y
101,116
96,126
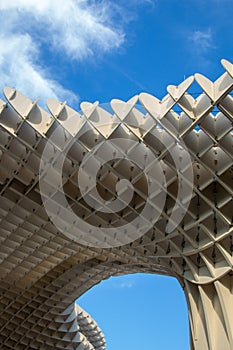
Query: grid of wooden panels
x,y
43,271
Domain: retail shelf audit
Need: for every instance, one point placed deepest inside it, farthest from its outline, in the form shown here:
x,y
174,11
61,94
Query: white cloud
x,y
202,40
119,282
124,282
73,29
128,284
17,69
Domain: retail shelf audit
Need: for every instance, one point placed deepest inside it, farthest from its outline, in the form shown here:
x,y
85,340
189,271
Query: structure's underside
x,y
43,270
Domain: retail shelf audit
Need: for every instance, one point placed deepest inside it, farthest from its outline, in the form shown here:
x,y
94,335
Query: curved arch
x,y
44,266
140,311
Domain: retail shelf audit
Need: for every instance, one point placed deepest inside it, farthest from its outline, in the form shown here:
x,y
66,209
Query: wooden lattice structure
x,y
44,270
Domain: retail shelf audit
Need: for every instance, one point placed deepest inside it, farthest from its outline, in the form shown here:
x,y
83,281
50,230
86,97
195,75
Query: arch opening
x,y
140,311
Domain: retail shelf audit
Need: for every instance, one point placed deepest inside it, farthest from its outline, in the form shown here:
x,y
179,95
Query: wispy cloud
x,y
119,282
18,69
202,40
128,284
123,282
200,45
72,29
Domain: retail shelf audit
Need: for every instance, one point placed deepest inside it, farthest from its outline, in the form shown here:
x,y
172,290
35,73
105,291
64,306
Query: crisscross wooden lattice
x,y
44,270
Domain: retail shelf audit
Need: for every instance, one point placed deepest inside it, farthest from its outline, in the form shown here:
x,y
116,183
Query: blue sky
x,y
140,312
98,50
